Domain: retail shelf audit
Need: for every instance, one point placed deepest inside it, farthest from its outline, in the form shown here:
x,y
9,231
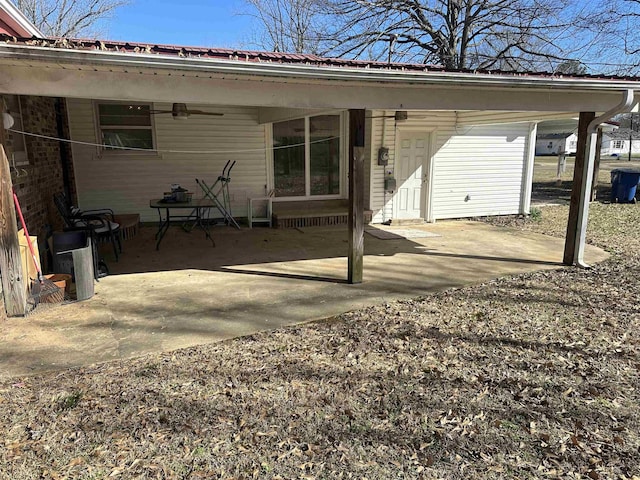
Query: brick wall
x,y
44,173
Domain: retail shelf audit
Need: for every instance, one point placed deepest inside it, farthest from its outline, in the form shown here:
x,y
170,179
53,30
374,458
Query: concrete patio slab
x,y
190,293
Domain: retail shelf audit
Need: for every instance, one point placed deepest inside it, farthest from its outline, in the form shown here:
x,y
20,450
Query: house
x,y
556,143
405,142
446,162
616,143
557,136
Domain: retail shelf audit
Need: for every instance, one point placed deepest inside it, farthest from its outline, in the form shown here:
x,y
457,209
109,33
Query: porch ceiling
x,y
145,77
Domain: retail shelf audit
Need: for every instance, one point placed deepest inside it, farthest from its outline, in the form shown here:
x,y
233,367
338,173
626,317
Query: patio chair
x,y
100,222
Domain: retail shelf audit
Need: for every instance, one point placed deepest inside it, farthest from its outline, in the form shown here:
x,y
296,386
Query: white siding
x,y
479,171
485,163
126,181
545,146
497,117
442,122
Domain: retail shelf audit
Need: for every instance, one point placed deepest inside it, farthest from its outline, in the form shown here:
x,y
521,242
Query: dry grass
x,y
533,376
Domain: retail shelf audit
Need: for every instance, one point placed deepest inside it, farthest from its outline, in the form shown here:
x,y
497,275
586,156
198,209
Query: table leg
x,y
159,222
205,226
163,227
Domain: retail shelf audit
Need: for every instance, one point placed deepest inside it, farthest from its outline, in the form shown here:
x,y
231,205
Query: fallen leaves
x,y
534,376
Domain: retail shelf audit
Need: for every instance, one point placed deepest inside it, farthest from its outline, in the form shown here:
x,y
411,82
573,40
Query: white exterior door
x,y
412,154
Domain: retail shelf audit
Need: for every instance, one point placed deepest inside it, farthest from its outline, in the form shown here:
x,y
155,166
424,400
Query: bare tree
x,y
288,25
606,35
571,67
507,34
68,18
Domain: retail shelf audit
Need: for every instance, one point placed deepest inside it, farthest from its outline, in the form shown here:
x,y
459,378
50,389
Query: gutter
x,y
587,178
94,58
20,19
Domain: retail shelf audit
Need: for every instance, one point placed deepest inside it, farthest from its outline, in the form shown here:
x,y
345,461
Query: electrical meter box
x,y
390,184
383,156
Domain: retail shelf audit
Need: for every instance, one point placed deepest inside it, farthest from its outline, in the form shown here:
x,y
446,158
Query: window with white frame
x,y
306,157
618,144
18,143
125,125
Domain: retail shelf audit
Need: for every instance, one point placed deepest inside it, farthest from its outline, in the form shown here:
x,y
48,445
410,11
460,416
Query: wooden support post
x,y
596,167
356,196
579,171
13,287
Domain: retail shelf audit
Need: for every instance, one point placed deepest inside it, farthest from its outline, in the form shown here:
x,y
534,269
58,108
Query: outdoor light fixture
x,y
7,120
179,111
401,115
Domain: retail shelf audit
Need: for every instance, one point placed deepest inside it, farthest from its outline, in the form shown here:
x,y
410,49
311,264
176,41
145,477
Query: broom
x,y
43,288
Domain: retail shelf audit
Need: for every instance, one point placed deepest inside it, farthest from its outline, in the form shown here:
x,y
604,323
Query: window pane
x,y
113,114
325,154
128,138
288,163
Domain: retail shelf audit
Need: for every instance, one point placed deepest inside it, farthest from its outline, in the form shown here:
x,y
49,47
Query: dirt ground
x,y
525,377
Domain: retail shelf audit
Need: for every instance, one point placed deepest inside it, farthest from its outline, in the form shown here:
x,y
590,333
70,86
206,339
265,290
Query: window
x,y
125,125
573,144
618,144
18,143
306,157
324,162
289,158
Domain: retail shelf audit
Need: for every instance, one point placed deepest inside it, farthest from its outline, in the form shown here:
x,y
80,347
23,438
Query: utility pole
x,y
630,137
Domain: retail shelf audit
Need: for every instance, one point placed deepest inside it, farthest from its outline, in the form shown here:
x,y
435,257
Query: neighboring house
x,y
617,143
556,143
557,136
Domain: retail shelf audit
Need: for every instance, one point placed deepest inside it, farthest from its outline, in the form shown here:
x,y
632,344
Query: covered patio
x,y
250,105
191,293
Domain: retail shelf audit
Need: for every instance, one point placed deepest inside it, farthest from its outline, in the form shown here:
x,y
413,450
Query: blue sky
x,y
210,23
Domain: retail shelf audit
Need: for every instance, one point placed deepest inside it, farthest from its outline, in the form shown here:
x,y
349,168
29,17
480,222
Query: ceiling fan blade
x,y
201,112
180,111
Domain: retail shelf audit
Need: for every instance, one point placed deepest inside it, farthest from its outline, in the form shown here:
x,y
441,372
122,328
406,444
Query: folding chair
x,y
100,222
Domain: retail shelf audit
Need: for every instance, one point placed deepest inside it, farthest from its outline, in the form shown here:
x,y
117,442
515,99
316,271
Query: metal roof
x,y
553,136
254,56
623,134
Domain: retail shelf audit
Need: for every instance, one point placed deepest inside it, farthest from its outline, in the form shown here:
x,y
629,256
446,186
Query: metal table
x,y
193,211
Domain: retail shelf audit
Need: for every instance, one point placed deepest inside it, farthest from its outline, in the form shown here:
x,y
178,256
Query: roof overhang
x,y
17,20
99,74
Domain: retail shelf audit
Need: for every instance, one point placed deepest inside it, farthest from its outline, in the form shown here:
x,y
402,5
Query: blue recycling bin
x,y
624,183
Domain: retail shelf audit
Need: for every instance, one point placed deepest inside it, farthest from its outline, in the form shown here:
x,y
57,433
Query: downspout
x,y
527,173
590,154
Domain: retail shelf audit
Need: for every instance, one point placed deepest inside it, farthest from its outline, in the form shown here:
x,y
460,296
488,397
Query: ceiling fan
x,y
398,116
179,111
